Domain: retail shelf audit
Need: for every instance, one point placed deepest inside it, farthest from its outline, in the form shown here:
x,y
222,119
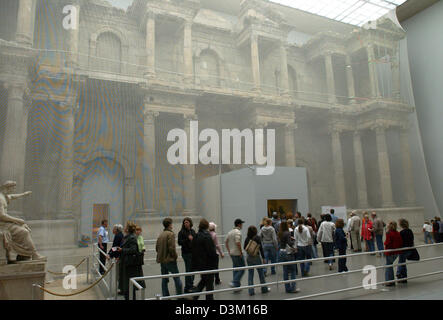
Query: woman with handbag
x,y
408,241
286,254
255,254
131,260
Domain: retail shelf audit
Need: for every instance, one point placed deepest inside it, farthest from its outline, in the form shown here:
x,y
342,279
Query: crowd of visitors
x,y
282,238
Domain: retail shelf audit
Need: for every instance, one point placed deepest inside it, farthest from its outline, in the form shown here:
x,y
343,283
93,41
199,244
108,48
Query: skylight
x,y
355,12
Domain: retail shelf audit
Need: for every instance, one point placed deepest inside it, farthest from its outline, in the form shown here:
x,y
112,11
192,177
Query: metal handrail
x,y
132,281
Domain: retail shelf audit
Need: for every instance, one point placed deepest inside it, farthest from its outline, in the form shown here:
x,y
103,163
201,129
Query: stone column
x,y
129,197
189,174
396,82
149,167
330,82
373,79
73,39
362,192
12,155
284,76
66,161
337,159
409,186
255,62
25,22
350,80
290,145
384,167
150,44
187,52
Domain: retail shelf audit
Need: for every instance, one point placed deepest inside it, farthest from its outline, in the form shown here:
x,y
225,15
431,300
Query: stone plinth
x,y
16,280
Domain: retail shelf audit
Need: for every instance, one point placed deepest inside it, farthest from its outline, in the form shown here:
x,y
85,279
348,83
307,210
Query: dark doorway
x,y
282,206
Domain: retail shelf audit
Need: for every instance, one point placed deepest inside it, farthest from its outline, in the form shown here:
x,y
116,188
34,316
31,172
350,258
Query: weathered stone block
x,y
16,281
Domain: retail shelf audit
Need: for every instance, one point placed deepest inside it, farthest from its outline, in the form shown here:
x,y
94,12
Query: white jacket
x,y
326,232
302,239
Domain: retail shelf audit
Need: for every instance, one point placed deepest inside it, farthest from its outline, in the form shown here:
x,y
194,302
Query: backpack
x,y
252,248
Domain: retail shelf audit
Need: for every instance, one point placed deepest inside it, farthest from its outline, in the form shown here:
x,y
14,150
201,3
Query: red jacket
x,y
393,241
365,226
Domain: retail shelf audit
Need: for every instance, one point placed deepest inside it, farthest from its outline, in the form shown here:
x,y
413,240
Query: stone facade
x,y
102,97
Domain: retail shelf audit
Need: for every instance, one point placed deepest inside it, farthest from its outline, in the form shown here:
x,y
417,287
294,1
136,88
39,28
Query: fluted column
x,y
384,167
13,152
150,44
255,62
25,22
284,76
362,192
149,165
409,186
189,174
187,52
373,79
330,82
74,38
337,159
66,160
290,145
350,80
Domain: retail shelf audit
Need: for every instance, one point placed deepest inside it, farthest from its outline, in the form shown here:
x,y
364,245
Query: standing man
x,y
167,257
378,226
185,239
354,231
440,229
102,242
233,245
333,216
204,257
276,221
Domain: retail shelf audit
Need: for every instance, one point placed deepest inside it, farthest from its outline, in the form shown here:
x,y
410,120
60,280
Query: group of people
x,y
128,248
283,238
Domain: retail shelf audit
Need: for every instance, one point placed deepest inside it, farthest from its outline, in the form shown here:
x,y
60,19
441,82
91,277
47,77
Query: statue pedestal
x,y
16,280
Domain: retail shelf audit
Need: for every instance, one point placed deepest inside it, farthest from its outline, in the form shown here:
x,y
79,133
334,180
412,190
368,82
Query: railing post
x,y
131,290
87,270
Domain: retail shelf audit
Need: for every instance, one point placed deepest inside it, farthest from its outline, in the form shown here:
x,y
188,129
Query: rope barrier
x,y
64,273
80,291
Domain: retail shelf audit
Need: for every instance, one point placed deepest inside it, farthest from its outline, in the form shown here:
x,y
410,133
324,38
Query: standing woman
x,y
212,227
326,237
287,253
367,232
302,240
117,242
407,237
131,260
185,237
254,260
342,244
393,241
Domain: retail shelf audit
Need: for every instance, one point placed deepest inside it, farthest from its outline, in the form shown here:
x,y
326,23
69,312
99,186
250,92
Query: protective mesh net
x,y
104,82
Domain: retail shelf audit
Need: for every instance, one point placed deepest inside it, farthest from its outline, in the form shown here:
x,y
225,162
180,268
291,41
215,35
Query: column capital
x,y
151,15
335,130
291,126
149,115
380,126
190,117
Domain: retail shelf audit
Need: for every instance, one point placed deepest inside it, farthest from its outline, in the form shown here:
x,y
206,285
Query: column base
x,y
189,212
388,205
410,204
65,215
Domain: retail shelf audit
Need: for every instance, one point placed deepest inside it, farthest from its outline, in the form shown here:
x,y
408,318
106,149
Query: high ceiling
x,y
355,12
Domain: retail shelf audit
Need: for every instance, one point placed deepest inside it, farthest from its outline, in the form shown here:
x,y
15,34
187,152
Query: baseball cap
x,y
238,221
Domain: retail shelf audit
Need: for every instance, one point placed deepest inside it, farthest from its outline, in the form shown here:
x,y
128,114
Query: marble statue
x,y
16,233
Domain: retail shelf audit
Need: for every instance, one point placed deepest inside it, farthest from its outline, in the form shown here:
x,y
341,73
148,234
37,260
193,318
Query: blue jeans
x,y
167,268
237,261
379,240
389,271
254,261
304,253
428,238
402,271
314,251
270,255
370,244
342,261
328,251
189,280
288,270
